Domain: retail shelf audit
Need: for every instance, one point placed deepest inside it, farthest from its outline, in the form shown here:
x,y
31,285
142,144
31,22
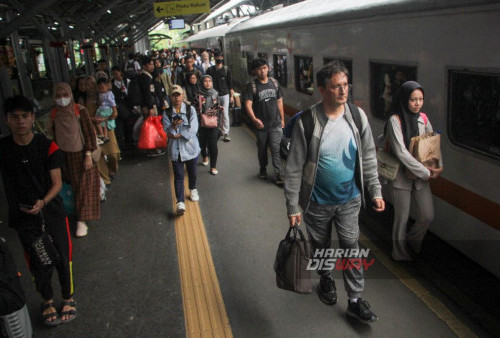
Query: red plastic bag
x,y
152,134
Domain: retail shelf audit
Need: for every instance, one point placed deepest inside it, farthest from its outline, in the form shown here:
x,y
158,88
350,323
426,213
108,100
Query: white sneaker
x,y
181,208
194,195
81,229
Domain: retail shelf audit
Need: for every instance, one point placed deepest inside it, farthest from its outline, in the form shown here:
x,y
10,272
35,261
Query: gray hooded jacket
x,y
302,163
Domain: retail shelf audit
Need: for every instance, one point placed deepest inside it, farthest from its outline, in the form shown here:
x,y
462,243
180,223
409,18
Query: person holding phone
x,y
181,125
31,170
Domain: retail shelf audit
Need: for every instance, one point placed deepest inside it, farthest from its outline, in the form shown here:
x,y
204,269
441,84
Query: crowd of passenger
x,y
92,119
97,115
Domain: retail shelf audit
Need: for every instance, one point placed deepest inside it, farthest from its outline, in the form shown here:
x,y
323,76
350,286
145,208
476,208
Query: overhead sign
x,y
177,8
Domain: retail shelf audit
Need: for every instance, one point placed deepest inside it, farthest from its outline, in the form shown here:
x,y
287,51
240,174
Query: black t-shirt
x,y
26,177
221,78
265,102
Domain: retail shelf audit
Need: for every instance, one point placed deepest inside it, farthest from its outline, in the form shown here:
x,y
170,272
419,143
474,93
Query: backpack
x,y
170,114
134,92
129,70
11,292
308,123
254,84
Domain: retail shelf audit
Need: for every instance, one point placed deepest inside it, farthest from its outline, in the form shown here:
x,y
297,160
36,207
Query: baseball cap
x,y
176,89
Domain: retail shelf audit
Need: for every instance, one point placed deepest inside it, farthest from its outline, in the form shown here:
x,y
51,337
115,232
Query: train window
x,y
386,79
343,62
474,111
280,70
304,80
250,58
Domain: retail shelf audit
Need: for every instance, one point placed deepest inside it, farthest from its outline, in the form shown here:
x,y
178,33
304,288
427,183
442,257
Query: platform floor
x,y
128,276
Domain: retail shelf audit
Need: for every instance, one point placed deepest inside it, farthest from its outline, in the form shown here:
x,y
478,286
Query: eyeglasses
x,y
344,86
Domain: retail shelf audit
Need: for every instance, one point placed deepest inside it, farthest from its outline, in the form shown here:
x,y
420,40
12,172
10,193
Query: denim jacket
x,y
187,145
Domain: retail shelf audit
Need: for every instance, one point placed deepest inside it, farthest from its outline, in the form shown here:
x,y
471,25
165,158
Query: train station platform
x,y
144,272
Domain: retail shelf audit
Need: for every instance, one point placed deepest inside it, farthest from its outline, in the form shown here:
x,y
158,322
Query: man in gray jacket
x,y
326,171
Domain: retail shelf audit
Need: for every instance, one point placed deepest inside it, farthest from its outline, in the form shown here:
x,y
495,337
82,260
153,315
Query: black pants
x,y
58,229
208,138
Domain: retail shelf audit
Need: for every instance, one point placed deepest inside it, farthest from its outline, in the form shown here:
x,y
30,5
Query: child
x,y
107,107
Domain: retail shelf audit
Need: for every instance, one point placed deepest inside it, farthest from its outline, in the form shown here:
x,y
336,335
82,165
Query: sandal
x,y
56,319
72,313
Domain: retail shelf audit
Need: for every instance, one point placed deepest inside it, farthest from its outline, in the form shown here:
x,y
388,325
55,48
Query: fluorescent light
x,y
109,12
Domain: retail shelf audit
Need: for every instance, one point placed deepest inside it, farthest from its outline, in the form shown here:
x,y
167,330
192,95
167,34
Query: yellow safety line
x,y
204,310
436,306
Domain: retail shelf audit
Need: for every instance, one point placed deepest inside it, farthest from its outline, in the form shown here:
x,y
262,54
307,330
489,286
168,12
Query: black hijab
x,y
191,89
409,120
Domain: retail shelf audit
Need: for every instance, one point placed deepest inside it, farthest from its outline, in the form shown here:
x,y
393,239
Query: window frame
x,y
450,71
296,73
275,60
374,105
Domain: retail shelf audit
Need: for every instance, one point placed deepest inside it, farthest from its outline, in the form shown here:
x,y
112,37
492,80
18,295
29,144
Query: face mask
x,y
63,102
219,61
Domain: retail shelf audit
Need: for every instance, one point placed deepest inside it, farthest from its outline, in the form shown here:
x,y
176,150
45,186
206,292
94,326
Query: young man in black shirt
x,y
223,84
31,170
264,105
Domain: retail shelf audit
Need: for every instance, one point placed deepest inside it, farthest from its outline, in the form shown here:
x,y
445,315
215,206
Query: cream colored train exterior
x,y
431,37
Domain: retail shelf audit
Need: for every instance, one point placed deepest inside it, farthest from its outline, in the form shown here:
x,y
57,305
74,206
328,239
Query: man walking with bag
x,y
331,159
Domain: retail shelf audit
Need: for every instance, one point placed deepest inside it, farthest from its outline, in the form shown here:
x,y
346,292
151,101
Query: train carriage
x,y
448,46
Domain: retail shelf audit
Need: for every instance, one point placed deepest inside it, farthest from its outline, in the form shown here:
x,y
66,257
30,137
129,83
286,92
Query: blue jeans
x,y
178,167
319,219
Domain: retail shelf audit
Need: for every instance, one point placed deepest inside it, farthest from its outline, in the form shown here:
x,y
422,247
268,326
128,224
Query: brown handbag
x,y
291,262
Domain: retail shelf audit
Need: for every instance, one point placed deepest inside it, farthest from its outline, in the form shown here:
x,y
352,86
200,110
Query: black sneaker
x,y
279,181
263,173
327,291
361,311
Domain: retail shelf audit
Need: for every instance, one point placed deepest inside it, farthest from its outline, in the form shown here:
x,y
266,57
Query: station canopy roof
x,y
111,21
114,22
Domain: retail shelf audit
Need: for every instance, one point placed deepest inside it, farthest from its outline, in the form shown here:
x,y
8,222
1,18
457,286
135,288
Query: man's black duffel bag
x,y
291,262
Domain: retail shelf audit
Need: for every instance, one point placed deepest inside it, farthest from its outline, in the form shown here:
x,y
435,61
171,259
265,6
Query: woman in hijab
x,y
80,90
406,122
208,136
107,167
74,133
192,89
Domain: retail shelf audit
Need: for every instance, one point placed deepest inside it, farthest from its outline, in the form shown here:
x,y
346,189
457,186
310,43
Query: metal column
x,y
24,79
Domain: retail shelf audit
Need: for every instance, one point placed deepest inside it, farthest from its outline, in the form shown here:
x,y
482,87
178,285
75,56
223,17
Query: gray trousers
x,y
224,101
269,138
424,208
320,219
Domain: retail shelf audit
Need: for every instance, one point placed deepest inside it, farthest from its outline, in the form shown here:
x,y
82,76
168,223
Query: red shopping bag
x,y
152,135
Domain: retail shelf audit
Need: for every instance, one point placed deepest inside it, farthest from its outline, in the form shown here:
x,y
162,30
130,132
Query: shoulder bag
x,y
208,118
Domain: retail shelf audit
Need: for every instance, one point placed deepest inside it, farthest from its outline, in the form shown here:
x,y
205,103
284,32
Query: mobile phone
x,y
25,206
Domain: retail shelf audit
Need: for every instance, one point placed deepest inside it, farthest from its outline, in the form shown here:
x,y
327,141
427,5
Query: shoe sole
x,y
353,315
327,302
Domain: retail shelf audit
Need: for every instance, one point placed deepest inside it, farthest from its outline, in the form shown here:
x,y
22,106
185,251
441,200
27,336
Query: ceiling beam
x,y
20,20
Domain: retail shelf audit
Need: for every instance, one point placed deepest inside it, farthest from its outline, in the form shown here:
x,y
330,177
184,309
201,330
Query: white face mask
x,y
63,102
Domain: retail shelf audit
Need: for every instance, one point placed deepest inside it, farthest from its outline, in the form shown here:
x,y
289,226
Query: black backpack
x,y
11,292
129,70
134,92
